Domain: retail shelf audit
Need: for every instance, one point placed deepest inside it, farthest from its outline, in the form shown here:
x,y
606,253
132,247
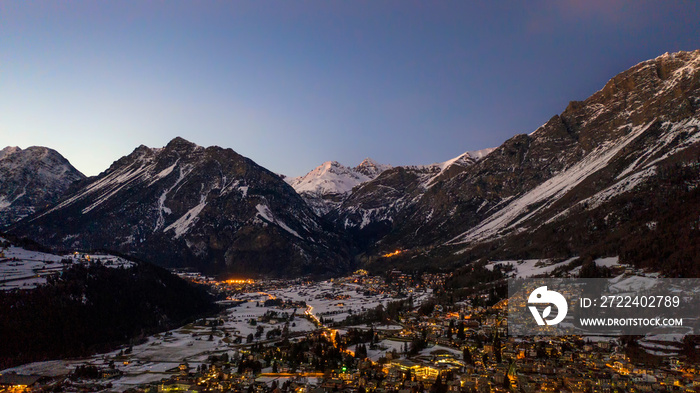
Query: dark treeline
x,y
93,308
23,242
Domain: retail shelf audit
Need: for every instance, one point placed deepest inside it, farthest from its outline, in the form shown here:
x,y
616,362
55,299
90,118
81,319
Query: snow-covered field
x,y
161,354
542,267
25,269
530,267
383,348
21,268
336,301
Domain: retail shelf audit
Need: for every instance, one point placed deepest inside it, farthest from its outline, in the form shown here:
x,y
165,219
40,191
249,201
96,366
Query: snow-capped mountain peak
x,y
463,160
325,185
32,179
331,177
466,159
371,168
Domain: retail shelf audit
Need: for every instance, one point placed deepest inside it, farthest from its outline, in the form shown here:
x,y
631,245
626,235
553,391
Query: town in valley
x,y
363,333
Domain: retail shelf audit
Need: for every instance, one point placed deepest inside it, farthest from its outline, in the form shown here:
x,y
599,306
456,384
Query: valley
x,y
362,331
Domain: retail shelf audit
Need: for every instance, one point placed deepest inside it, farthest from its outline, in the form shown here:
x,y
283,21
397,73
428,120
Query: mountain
x,y
615,174
368,213
371,168
189,206
32,179
325,187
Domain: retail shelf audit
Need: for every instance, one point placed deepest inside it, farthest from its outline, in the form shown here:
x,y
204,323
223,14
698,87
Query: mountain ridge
x,y
186,205
326,185
31,179
569,187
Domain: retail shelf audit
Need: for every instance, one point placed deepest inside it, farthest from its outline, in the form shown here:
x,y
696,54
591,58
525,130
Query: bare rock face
x,y
189,206
368,213
32,179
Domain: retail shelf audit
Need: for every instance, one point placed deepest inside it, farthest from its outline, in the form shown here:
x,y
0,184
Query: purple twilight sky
x,y
291,84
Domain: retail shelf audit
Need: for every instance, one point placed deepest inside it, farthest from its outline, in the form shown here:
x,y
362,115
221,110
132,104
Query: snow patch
x,y
266,213
4,203
183,224
549,191
165,172
530,267
607,262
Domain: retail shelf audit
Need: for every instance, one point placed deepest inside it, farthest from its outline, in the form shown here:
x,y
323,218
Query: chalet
x,y
17,382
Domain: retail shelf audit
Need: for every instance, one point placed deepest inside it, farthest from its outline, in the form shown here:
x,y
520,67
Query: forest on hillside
x,y
92,308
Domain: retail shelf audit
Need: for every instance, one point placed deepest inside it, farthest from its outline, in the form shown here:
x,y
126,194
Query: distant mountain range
x,y
616,174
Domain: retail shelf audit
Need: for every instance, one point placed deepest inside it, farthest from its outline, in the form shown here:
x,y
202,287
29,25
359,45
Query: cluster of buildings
x,y
460,347
466,348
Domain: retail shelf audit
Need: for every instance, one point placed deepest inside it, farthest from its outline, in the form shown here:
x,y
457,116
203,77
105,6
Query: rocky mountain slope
x,y
32,179
603,174
327,185
368,213
185,205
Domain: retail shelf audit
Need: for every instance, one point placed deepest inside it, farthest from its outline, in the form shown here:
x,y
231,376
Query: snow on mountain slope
x,y
606,172
463,160
324,187
370,210
329,178
549,191
32,179
190,206
466,159
107,186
